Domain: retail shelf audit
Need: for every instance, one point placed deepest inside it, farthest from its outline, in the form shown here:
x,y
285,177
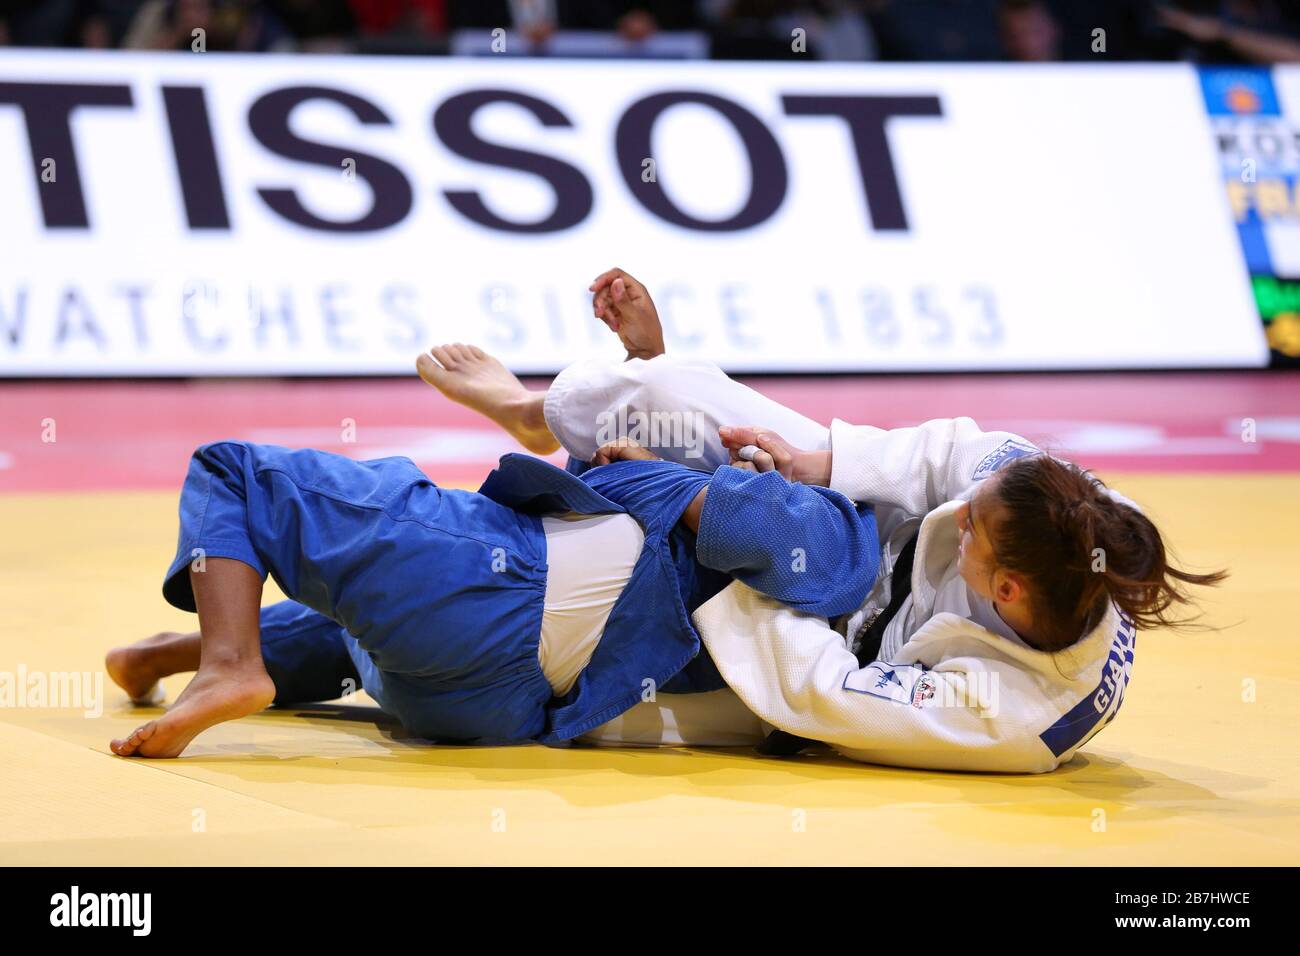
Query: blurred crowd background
x,y
1205,31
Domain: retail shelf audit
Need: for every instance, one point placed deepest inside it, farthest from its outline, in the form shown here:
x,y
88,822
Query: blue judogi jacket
x,y
809,547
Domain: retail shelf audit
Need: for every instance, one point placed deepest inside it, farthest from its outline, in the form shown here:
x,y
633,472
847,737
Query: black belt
x,y
782,744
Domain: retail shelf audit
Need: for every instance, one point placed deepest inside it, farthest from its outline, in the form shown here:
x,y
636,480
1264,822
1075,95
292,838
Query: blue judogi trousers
x,y
307,655
441,589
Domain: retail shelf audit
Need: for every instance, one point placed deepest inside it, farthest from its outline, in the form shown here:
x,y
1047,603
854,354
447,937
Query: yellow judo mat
x,y
1202,765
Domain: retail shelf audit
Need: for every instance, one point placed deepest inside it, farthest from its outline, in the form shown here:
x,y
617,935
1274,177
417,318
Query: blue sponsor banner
x,y
1258,159
1239,91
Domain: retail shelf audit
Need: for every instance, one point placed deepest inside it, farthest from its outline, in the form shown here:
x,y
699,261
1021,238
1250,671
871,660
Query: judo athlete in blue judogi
x,y
436,601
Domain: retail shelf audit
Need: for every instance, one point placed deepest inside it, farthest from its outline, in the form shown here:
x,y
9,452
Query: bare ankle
x,y
233,659
531,409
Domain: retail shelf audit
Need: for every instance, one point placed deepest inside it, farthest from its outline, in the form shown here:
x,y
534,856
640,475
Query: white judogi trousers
x,y
591,394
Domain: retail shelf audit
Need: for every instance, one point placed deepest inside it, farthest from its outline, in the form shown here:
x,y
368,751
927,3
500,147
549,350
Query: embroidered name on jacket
x,y
1099,707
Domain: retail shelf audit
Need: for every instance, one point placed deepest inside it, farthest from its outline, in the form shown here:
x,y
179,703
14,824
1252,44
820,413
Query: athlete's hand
x,y
625,306
622,449
774,453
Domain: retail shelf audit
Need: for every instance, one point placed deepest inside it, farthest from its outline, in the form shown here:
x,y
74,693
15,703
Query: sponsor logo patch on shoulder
x,y
1009,450
924,690
896,682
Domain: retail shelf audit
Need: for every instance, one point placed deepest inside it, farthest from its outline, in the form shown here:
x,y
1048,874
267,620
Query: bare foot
x,y
137,668
473,378
218,692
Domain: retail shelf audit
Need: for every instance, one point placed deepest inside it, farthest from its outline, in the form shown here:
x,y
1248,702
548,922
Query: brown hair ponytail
x,y
1079,550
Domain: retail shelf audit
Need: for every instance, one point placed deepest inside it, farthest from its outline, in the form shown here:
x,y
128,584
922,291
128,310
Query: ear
x,y
1008,587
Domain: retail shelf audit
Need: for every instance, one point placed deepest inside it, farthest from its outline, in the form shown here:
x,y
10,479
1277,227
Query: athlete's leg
x,y
677,404
468,375
443,590
304,653
672,406
137,668
231,681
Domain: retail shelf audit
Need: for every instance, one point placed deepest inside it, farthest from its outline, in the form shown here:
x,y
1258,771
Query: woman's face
x,y
975,560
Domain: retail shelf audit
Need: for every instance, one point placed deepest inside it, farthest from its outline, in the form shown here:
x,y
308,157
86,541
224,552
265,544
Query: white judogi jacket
x,y
945,692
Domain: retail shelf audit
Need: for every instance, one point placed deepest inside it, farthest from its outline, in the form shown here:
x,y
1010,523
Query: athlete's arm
x,y
916,468
810,548
794,672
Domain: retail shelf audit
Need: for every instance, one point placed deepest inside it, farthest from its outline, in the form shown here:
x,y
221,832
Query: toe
x,y
426,366
127,747
443,354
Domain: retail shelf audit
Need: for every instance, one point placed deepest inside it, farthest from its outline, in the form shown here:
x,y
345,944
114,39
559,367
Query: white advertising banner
x,y
208,214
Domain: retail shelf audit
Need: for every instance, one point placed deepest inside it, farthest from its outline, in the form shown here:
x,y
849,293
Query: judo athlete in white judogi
x,y
952,685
